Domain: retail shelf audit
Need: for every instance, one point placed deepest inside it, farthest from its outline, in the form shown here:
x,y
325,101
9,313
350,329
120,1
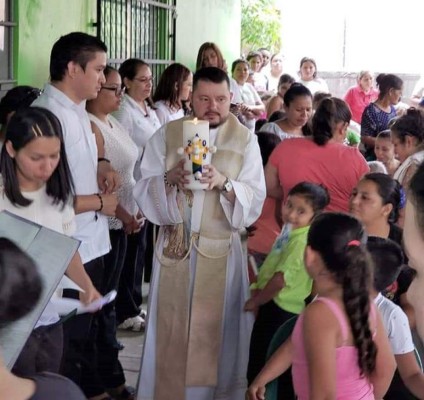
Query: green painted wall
x,y
40,24
200,21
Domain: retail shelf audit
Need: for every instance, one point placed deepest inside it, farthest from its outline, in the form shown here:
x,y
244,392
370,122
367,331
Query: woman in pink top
x,y
360,95
322,159
339,348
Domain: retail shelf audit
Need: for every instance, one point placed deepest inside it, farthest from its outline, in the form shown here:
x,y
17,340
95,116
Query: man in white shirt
x,y
77,62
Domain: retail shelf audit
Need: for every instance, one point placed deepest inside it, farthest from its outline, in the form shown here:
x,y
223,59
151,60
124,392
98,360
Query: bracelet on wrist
x,y
100,159
165,178
101,202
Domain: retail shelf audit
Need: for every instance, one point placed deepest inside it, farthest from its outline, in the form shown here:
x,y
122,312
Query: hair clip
x,y
356,243
402,202
37,131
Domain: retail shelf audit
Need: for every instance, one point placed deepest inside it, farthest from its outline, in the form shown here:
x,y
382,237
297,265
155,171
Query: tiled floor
x,y
130,356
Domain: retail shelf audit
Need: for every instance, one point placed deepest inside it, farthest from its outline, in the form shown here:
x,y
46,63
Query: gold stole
x,y
189,334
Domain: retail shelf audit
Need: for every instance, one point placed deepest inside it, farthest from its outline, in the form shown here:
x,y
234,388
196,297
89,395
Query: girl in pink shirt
x,y
339,348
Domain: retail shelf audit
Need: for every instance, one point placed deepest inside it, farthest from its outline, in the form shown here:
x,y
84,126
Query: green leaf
x,y
260,25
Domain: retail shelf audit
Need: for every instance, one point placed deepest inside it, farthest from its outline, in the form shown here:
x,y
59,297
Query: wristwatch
x,y
228,186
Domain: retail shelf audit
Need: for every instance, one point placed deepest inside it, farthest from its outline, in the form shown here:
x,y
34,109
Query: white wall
x,y
381,36
200,21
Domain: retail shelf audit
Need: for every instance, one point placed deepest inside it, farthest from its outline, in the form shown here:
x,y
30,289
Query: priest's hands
x,y
177,176
212,177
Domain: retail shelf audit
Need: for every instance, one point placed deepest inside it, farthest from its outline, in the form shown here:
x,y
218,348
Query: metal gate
x,y
7,28
138,29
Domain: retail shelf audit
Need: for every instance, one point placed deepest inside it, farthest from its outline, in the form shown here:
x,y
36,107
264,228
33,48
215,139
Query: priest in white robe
x,y
197,334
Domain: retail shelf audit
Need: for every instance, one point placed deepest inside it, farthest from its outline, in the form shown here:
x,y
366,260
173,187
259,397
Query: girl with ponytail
x,y
322,158
339,347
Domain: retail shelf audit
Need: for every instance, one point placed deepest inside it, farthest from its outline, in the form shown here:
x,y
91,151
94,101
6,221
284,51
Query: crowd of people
x,y
296,268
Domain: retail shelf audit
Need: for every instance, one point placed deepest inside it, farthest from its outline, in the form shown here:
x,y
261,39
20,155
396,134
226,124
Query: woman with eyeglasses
x,y
118,148
115,144
137,114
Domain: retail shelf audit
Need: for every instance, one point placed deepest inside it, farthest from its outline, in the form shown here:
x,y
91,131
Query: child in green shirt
x,y
283,283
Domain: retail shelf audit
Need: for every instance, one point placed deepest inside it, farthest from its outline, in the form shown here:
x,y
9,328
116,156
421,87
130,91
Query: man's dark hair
x,y
77,47
210,74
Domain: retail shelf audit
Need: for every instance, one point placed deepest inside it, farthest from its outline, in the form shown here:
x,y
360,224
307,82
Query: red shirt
x,y
267,229
336,166
357,100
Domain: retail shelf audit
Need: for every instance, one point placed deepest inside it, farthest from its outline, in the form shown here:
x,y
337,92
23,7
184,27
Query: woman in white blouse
x,y
137,113
115,144
172,93
113,141
36,184
251,106
308,76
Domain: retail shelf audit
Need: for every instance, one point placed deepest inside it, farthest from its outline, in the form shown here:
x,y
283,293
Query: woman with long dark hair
x,y
36,184
172,93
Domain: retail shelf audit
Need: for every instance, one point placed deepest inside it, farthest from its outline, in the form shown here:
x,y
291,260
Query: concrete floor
x,y
130,356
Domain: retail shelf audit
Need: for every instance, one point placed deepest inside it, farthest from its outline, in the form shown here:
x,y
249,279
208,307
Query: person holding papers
x,y
36,184
20,290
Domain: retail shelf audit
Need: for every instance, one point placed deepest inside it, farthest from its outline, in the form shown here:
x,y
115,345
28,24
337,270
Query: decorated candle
x,y
196,150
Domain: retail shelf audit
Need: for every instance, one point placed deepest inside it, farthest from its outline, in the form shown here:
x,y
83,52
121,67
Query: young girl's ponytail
x,y
355,280
340,241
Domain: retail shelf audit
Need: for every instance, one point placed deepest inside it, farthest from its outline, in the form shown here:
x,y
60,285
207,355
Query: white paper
x,y
64,306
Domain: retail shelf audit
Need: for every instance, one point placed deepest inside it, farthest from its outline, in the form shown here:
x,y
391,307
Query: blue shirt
x,y
374,120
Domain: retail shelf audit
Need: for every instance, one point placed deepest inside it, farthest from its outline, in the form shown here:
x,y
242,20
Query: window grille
x,y
138,29
7,25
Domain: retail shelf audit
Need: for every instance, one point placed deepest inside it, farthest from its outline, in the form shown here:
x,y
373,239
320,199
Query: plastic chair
x,y
282,334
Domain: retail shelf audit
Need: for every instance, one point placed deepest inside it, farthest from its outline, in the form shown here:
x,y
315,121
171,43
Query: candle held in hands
x,y
196,150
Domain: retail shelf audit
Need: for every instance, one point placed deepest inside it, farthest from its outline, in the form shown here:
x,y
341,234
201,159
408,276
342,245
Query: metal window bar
x,y
138,29
7,25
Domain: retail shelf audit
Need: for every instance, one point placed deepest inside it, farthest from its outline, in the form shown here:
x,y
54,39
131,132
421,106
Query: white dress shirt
x,y
81,151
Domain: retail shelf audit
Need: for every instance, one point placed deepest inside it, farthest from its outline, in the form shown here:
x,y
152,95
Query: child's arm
x,y
410,373
320,328
271,289
385,363
279,363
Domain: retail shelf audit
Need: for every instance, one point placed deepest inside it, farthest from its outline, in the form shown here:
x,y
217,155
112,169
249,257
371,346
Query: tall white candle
x,y
196,150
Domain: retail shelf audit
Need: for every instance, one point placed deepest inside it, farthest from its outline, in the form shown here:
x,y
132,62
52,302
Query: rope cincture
x,y
193,237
